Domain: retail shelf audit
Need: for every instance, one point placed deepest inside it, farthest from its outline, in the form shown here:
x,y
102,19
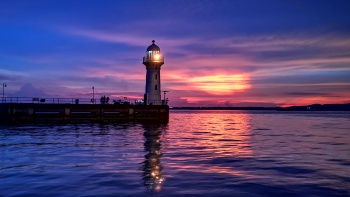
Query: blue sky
x,y
217,53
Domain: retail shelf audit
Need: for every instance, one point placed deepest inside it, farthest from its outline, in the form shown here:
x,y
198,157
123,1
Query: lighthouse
x,y
153,62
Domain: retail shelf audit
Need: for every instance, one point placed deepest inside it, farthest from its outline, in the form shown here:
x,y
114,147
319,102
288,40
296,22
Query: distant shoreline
x,y
313,107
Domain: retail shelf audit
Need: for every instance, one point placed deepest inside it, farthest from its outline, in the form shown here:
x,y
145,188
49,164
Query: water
x,y
198,153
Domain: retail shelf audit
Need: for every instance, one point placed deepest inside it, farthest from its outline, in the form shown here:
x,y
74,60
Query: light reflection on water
x,y
225,153
152,168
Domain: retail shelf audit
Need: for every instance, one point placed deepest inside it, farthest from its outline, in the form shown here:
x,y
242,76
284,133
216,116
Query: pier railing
x,y
47,100
40,100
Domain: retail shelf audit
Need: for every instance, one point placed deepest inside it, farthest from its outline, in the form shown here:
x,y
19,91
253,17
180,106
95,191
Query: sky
x,y
216,53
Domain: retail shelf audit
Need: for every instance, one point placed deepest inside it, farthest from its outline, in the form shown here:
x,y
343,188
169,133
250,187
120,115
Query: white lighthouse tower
x,y
153,61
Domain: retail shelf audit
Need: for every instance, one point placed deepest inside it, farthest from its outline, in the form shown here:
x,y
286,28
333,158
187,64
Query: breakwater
x,y
32,112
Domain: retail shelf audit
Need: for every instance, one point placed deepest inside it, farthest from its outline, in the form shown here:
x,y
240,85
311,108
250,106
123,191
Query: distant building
x,y
153,62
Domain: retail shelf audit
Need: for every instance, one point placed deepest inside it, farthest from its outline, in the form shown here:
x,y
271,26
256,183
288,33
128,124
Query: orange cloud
x,y
221,84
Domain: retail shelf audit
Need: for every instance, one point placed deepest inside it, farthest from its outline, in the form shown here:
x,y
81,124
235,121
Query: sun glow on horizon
x,y
221,84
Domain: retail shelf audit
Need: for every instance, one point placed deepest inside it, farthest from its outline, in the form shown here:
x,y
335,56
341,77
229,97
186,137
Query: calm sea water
x,y
198,153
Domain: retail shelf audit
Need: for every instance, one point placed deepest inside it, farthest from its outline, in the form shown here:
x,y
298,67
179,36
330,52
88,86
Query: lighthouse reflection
x,y
152,168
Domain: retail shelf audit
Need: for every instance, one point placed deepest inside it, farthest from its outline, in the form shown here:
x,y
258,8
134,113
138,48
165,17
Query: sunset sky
x,y
217,53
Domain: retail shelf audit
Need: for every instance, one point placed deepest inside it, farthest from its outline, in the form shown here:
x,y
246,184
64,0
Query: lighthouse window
x,y
156,87
156,77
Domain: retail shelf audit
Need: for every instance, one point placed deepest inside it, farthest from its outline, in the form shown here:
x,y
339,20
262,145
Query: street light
x,y
3,91
165,91
93,94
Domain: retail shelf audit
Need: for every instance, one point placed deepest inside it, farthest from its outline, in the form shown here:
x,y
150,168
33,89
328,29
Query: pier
x,y
34,112
151,108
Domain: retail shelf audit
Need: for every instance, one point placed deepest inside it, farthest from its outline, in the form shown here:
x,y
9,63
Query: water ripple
x,y
198,153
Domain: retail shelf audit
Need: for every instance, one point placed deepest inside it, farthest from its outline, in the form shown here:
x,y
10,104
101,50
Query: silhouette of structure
x,y
13,110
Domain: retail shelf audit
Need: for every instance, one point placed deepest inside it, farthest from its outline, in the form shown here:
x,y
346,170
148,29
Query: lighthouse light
x,y
156,56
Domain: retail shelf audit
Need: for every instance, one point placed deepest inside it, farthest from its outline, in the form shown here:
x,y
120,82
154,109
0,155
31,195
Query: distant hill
x,y
226,108
319,107
313,107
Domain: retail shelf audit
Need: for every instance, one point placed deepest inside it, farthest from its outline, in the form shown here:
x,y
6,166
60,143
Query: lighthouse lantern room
x,y
153,62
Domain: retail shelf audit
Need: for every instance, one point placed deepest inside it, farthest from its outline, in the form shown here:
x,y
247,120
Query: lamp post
x,y
3,91
93,94
165,91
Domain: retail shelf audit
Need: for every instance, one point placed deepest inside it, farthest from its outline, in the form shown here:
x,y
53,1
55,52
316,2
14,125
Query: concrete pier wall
x,y
30,112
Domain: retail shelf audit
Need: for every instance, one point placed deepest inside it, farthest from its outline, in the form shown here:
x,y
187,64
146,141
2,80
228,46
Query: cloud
x,y
221,84
305,78
28,90
307,94
282,57
126,38
8,77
